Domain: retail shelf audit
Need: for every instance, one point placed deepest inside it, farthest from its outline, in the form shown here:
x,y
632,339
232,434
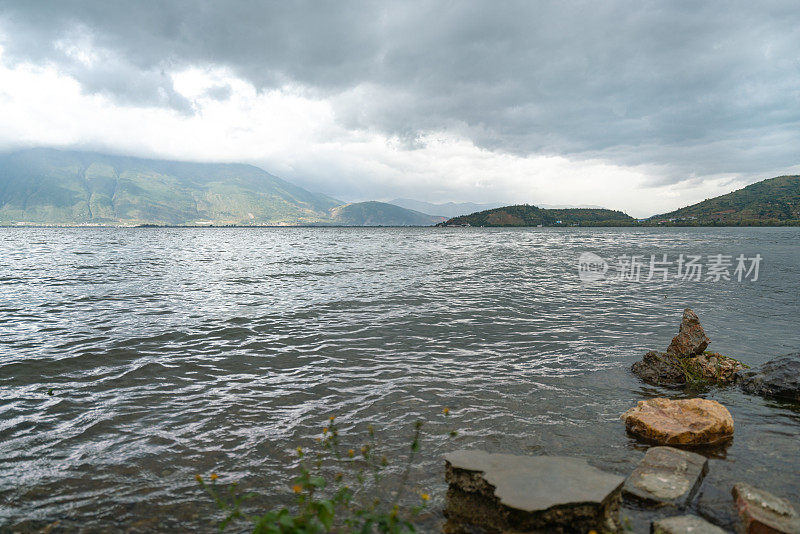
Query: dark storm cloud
x,y
693,89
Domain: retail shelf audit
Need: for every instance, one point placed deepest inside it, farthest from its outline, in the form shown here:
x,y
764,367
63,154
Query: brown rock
x,y
691,338
680,422
717,367
765,513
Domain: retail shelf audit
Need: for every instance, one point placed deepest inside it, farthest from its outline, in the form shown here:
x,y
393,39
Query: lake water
x,y
172,352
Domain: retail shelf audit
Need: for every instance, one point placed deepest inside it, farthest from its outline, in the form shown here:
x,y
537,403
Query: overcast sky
x,y
639,106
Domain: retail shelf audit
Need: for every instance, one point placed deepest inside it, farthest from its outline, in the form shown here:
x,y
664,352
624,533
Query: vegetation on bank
x,y
337,489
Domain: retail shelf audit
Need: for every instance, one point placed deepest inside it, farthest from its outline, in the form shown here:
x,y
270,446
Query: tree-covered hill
x,y
775,201
527,215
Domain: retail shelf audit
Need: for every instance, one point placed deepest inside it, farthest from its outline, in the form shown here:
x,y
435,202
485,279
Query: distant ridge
x,y
64,187
447,209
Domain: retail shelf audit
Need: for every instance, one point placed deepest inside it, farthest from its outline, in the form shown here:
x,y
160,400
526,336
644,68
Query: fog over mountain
x,y
638,106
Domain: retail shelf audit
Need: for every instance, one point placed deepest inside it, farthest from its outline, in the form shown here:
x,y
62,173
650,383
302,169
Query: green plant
x,y
331,491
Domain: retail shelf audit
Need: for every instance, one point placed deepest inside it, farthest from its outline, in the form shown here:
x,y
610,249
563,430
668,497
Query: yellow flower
x,y
214,476
325,430
300,451
198,478
297,488
351,453
332,418
425,497
364,450
446,411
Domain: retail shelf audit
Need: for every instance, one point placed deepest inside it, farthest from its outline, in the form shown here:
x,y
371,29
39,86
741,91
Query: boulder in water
x,y
684,422
779,378
762,511
691,339
509,493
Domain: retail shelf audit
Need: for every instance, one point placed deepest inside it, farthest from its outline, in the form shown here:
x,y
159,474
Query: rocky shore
x,y
505,493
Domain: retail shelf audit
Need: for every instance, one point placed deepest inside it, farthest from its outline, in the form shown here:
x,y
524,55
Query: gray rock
x,y
691,338
762,511
504,492
779,378
659,369
666,477
684,524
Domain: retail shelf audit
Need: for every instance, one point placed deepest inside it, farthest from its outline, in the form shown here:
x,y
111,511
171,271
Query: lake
x,y
177,351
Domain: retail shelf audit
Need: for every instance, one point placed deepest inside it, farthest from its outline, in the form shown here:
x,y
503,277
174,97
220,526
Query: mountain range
x,y
48,186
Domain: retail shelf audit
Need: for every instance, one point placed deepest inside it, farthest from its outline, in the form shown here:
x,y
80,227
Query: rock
x,y
717,367
666,369
680,422
778,378
508,493
691,338
659,369
763,512
684,524
666,477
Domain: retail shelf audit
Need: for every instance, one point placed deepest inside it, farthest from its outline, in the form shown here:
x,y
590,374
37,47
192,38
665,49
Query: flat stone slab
x,y
778,378
685,524
666,477
505,492
762,511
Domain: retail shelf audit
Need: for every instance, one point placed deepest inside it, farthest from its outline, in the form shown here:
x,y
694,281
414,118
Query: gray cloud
x,y
688,88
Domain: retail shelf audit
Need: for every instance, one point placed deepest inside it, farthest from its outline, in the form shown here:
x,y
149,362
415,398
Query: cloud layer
x,y
680,97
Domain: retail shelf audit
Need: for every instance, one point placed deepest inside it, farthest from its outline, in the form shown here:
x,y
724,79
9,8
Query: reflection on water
x,y
173,352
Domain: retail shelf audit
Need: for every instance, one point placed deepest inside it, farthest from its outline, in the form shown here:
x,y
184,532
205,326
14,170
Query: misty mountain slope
x,y
380,214
446,209
49,186
771,201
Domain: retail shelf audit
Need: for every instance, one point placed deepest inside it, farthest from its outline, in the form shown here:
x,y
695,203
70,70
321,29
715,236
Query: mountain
x,y
526,215
775,201
380,214
62,187
448,209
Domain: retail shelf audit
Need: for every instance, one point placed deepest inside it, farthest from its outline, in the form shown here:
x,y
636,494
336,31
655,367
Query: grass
x,y
337,489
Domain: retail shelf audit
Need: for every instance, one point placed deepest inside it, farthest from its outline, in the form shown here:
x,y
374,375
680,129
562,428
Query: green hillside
x,y
775,201
45,186
526,215
380,214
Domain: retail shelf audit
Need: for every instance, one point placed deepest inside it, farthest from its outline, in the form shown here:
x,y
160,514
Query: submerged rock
x,y
680,422
684,524
763,512
691,339
508,493
779,378
666,477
